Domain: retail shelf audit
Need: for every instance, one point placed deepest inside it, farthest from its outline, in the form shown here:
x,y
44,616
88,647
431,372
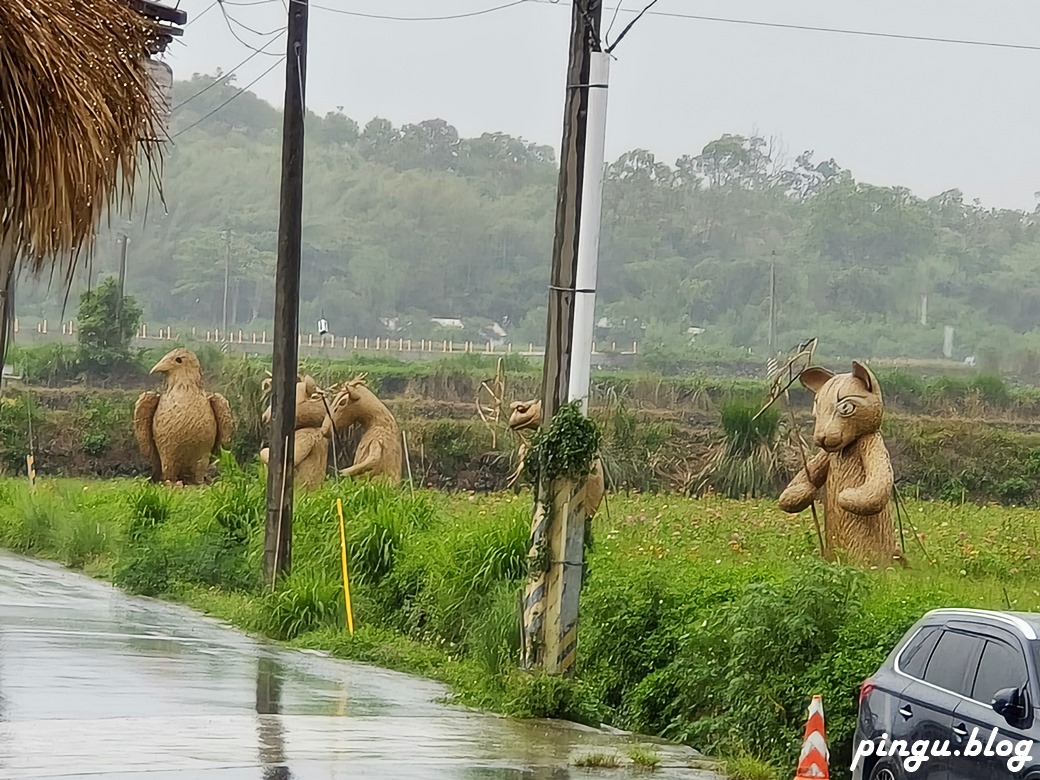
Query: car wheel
x,y
884,771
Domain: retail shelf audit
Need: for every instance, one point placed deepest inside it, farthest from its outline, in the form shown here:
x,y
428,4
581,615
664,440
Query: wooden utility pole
x,y
278,526
550,605
8,265
227,277
124,239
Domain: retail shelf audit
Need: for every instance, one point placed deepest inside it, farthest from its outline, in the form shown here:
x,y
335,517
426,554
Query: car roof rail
x,y
1025,628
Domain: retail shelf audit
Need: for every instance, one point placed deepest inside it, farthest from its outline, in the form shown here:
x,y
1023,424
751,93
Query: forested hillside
x,y
404,224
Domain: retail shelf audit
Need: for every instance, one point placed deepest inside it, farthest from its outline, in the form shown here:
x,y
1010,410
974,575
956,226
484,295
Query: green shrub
x,y
302,603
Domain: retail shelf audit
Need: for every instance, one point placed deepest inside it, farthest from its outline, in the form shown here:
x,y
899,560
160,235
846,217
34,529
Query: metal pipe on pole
x,y
278,524
589,230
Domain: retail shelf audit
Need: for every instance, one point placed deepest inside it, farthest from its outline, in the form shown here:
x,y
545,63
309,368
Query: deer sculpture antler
x,y
522,450
491,413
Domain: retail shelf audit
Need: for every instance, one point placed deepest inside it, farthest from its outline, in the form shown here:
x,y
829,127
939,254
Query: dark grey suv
x,y
957,699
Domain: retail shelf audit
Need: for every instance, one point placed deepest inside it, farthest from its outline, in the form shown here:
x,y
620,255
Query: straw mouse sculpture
x,y
852,467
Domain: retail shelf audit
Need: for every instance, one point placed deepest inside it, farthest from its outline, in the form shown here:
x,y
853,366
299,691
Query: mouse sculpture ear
x,y
814,378
865,375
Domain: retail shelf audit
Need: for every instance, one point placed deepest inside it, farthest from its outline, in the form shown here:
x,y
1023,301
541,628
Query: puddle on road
x,y
94,684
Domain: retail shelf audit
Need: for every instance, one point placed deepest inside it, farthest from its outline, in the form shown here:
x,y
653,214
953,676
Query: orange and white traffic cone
x,y
813,761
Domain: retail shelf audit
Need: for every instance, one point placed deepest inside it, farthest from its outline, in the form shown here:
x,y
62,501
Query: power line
x,y
244,26
242,91
447,17
220,79
202,13
836,30
613,19
630,25
228,20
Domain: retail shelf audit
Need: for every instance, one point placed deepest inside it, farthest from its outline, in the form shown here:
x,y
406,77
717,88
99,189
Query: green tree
x,y
105,338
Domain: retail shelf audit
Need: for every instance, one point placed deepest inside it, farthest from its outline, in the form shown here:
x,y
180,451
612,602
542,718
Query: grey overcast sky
x,y
928,116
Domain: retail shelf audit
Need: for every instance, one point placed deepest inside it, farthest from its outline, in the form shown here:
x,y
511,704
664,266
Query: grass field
x,y
706,621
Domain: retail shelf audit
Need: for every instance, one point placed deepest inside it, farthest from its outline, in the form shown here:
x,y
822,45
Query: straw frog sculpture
x,y
852,467
311,444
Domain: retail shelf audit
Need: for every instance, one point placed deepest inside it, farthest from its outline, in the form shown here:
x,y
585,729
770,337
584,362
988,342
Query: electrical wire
x,y
835,30
244,26
613,19
447,17
220,79
630,25
228,20
202,13
242,91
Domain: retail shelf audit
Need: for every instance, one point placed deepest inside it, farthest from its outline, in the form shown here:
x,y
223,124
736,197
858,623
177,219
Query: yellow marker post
x,y
343,556
30,466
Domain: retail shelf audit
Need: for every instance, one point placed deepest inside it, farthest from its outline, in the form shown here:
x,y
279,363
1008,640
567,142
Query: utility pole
x,y
772,305
278,525
227,277
124,239
8,276
550,605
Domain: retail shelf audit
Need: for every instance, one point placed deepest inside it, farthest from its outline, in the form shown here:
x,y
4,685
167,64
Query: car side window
x,y
915,655
948,662
1002,666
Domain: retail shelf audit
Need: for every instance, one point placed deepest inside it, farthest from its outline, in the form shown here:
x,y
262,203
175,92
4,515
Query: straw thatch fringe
x,y
76,107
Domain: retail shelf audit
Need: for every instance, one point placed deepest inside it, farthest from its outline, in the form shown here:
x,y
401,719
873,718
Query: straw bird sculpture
x,y
525,416
78,106
179,429
852,467
379,453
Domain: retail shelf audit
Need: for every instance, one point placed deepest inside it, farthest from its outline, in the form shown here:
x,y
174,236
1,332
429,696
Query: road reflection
x,y
269,675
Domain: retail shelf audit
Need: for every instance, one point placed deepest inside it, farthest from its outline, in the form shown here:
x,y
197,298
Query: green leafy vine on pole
x,y
565,449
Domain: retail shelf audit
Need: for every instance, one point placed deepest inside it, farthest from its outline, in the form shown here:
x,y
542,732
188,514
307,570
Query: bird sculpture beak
x,y
159,367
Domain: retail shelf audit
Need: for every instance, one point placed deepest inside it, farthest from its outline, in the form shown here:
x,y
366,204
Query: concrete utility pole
x,y
550,606
227,277
278,526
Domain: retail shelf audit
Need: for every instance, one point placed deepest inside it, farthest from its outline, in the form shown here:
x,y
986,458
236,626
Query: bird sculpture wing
x,y
225,421
144,413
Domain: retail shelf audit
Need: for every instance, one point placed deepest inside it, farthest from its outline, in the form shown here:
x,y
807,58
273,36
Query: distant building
x,y
448,322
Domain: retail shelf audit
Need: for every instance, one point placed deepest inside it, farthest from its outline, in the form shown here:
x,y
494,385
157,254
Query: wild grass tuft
x,y
749,768
644,758
598,761
747,462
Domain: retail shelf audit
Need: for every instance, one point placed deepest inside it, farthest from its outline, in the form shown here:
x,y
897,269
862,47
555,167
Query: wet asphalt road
x,y
96,684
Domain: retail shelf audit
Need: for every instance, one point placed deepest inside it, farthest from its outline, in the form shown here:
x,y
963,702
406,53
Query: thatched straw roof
x,y
76,102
